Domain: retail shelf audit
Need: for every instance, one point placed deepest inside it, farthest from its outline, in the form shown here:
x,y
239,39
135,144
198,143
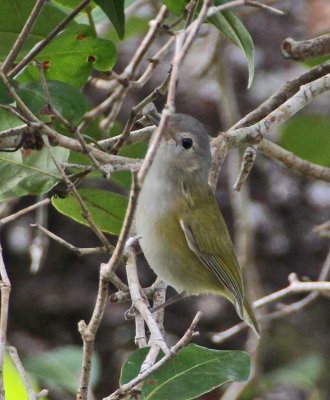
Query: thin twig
x,y
139,302
113,263
249,157
316,288
5,294
88,333
22,36
26,210
32,395
37,49
77,250
70,185
294,162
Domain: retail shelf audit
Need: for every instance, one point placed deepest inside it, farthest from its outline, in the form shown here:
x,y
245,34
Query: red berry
x,y
45,65
81,36
91,59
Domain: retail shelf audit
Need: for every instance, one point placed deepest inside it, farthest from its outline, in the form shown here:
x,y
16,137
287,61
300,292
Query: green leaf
x,y
29,172
61,368
231,26
175,6
5,97
8,120
194,371
13,16
14,387
67,100
136,150
308,137
107,209
114,9
71,56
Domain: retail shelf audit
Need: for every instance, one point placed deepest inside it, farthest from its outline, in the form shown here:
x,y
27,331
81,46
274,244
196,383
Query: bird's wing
x,y
215,250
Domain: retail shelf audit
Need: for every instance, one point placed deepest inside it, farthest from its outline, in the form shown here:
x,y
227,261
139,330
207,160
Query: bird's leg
x,y
172,300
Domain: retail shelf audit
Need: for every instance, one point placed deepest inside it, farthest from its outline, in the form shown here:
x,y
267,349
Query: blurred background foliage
x,y
280,207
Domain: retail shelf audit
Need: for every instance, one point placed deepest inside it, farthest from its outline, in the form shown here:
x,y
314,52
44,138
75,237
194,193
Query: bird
x,y
182,232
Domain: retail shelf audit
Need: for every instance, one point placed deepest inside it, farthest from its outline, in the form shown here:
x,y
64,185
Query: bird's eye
x,y
186,143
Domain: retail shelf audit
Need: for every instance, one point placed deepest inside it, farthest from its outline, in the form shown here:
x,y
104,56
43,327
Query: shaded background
x,y
281,208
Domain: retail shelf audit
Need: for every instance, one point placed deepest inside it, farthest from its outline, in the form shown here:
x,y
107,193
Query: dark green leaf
x,y
71,56
107,209
231,26
308,137
194,371
67,100
5,97
61,367
13,16
29,172
114,9
175,6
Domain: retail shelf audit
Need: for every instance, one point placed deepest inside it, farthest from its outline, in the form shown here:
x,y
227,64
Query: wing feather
x,y
215,250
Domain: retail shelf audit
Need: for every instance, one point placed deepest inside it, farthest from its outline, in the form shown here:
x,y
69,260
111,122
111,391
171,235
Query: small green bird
x,y
183,234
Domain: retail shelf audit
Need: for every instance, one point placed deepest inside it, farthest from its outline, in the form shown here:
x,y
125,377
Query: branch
x,y
289,89
292,161
255,133
88,333
22,36
306,49
295,286
18,214
139,303
77,250
71,186
5,294
32,395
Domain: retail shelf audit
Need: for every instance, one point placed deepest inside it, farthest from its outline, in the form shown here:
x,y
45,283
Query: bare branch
x,y
32,395
292,161
306,49
26,210
5,294
78,250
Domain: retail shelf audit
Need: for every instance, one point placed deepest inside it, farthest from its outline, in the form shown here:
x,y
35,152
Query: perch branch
x,y
306,49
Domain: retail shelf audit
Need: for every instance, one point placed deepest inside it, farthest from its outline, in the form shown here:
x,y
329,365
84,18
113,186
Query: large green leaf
x,y
114,9
61,368
308,137
29,172
13,16
231,26
194,371
71,56
67,100
107,209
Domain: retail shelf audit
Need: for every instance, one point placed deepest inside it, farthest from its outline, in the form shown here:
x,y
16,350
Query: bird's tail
x,y
250,318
